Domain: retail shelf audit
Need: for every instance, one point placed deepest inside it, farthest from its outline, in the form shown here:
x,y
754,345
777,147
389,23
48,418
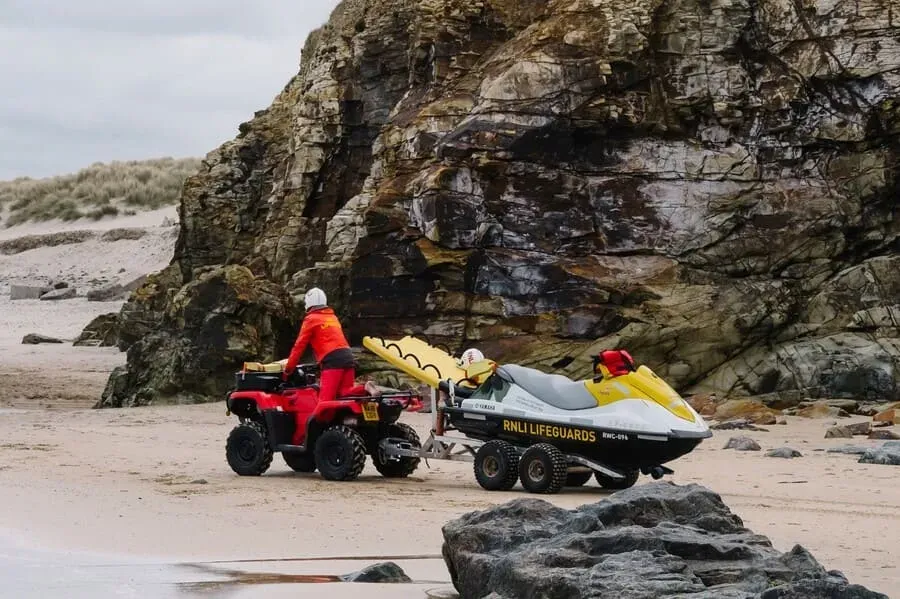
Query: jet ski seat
x,y
553,389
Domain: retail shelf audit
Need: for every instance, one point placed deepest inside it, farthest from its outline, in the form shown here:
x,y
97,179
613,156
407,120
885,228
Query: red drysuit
x,y
322,331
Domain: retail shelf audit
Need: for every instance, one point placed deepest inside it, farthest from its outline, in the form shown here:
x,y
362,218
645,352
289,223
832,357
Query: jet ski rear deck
x,y
517,423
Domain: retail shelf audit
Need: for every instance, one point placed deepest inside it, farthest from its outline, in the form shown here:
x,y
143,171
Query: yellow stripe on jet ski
x,y
417,358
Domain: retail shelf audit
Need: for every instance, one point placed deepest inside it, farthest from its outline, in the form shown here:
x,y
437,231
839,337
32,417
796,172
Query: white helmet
x,y
470,356
314,297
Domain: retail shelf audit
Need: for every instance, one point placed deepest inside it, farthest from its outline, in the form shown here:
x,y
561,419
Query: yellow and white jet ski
x,y
623,421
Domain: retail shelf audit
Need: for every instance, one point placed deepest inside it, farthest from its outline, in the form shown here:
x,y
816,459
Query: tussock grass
x,y
102,189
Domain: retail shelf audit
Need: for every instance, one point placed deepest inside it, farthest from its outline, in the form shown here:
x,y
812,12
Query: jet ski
x,y
622,421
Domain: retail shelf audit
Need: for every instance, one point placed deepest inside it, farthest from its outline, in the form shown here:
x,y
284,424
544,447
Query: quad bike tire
x,y
247,449
543,469
340,453
497,466
403,466
578,479
631,477
299,462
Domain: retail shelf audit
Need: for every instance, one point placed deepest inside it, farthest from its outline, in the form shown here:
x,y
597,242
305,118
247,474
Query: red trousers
x,y
339,382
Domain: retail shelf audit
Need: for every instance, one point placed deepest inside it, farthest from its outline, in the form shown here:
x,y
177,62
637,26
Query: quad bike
x,y
333,437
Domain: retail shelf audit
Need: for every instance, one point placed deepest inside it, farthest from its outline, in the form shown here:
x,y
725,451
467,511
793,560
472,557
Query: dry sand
x,y
152,483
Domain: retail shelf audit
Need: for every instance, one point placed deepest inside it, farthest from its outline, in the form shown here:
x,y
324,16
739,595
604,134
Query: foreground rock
x,y
888,454
36,339
651,541
547,179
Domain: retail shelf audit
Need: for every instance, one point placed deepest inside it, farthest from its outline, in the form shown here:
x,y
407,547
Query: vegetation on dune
x,y
102,189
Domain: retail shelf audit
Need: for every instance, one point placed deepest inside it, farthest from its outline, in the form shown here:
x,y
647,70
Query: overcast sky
x,y
100,80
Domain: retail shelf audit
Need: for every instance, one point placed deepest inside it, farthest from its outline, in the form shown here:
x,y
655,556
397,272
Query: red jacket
x,y
322,330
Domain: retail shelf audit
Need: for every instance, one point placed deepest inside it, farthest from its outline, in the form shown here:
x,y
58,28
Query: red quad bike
x,y
332,437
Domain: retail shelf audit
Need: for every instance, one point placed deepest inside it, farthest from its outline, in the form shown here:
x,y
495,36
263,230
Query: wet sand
x,y
29,573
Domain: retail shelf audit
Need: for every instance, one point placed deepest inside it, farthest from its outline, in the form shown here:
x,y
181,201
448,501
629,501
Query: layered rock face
x,y
710,185
654,540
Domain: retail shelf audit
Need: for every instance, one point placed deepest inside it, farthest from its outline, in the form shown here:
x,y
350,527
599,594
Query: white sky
x,y
100,80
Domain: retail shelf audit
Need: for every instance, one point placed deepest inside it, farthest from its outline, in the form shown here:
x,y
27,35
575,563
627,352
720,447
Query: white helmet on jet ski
x,y
314,298
470,356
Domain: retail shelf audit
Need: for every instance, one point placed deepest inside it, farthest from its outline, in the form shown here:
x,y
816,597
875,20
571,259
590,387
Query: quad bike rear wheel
x,y
299,462
340,453
543,469
631,477
496,466
247,449
398,467
578,479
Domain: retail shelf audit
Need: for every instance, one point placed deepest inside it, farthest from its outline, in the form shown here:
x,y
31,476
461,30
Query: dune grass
x,y
102,189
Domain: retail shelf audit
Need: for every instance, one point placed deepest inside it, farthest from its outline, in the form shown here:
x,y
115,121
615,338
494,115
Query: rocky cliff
x,y
710,184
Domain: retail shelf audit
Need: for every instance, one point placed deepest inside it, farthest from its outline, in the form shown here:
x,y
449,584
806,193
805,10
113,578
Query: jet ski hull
x,y
620,449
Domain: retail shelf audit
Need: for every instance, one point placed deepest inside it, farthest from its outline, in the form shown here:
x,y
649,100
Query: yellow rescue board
x,y
417,358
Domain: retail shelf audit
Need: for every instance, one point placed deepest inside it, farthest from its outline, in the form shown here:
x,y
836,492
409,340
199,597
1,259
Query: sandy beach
x,y
151,485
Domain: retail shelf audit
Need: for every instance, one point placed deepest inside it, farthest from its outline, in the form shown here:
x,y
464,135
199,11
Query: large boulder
x,y
548,179
653,540
211,325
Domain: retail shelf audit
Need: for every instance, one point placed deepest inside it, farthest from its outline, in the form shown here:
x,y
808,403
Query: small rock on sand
x,y
784,452
892,415
60,294
849,449
884,434
741,423
838,432
888,454
26,292
742,444
859,428
821,410
107,293
381,572
35,339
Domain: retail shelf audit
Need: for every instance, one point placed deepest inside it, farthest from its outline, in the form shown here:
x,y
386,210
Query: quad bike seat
x,y
553,389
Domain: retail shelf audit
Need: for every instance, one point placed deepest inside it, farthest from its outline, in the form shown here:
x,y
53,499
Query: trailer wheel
x,y
631,477
247,449
578,479
496,466
299,462
340,453
543,469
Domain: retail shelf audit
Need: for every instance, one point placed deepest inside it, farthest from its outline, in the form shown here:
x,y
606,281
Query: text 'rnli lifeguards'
x,y
549,431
